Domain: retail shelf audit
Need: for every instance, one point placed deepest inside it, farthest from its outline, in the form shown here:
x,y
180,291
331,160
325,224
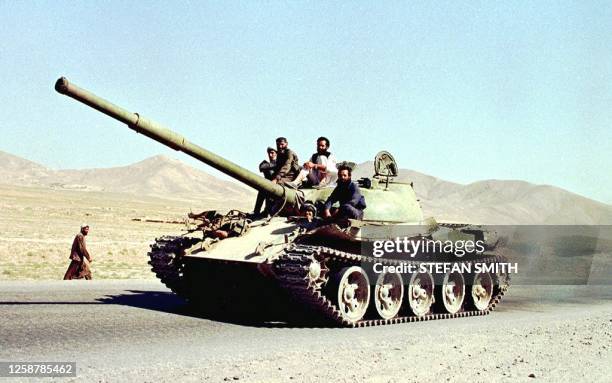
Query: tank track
x,y
166,261
291,270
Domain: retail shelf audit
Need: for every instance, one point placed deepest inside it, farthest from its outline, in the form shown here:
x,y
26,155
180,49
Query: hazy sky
x,y
461,91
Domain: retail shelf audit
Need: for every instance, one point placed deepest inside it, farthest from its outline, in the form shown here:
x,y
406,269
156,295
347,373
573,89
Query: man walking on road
x,y
79,256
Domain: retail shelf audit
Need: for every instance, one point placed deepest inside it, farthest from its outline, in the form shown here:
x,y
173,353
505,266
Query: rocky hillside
x,y
158,176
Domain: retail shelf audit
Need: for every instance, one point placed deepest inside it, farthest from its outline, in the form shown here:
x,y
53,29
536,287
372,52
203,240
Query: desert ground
x,y
37,226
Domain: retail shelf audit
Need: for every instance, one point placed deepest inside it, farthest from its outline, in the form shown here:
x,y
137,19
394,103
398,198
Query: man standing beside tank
x,y
287,166
321,168
267,167
348,195
79,257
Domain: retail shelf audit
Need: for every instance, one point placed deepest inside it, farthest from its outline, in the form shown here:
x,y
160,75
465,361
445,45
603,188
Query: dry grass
x,y
37,226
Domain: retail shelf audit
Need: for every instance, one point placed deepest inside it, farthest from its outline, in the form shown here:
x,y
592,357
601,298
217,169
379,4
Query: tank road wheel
x,y
481,291
388,294
317,273
353,294
421,293
451,293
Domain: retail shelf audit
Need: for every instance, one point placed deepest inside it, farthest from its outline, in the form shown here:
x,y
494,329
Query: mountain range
x,y
487,202
157,176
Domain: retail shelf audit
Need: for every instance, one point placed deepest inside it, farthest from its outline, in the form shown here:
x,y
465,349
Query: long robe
x,y
79,260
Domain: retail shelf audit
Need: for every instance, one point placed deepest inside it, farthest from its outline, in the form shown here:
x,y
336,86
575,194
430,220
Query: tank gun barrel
x,y
161,134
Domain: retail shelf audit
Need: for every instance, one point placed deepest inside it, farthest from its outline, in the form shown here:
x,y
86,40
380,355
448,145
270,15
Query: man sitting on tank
x,y
287,166
347,194
267,168
321,169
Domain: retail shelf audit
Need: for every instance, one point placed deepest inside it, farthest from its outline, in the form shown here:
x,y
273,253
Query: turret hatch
x,y
384,165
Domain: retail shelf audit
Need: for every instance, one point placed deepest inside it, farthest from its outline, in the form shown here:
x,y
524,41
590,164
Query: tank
x,y
351,273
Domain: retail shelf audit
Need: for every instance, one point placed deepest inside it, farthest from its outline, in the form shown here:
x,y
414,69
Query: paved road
x,y
138,331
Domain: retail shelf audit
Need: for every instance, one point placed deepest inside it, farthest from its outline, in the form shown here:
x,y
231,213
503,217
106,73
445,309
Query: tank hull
x,y
275,278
